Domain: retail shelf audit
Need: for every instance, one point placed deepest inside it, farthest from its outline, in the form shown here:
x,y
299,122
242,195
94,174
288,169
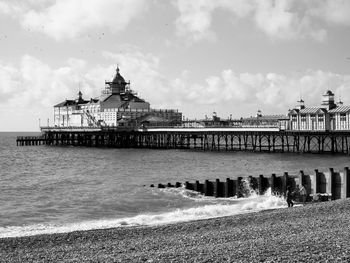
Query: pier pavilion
x,y
118,105
329,116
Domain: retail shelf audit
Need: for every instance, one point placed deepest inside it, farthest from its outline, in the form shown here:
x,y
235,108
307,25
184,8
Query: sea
x,y
56,189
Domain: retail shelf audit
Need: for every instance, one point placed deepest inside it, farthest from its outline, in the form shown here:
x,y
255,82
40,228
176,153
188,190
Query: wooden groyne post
x,y
326,185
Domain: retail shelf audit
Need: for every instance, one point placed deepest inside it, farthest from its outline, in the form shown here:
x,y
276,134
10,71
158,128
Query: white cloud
x,y
11,9
242,94
332,11
282,19
196,16
67,19
32,87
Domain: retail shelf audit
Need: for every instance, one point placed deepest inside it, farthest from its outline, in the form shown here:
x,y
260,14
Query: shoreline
x,y
315,232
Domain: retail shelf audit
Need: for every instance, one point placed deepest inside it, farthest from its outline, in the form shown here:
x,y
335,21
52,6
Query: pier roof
x,y
118,78
340,109
312,110
66,103
267,117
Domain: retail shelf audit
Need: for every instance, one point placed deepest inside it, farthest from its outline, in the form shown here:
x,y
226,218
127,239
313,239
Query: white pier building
x,y
117,105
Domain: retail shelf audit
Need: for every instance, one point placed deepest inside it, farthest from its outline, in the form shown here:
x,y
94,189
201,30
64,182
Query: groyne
x,y
326,185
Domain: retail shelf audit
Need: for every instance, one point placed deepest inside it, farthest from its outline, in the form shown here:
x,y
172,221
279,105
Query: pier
x,y
206,139
31,140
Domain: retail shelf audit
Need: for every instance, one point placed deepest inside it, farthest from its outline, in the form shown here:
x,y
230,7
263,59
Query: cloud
x,y
196,16
66,19
33,83
241,94
30,88
282,19
332,11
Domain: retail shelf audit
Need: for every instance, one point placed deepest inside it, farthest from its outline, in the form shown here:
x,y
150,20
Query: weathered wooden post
x,y
239,187
315,184
301,178
345,191
197,186
188,186
329,187
217,192
207,188
228,187
284,182
234,187
273,183
261,184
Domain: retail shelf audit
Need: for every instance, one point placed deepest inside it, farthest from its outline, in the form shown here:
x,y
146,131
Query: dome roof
x,y
118,78
329,93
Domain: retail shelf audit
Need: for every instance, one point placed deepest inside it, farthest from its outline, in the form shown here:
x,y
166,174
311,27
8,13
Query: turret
x,y
301,104
328,100
258,114
80,97
118,84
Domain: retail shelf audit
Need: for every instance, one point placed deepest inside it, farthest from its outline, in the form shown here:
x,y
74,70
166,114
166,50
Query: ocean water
x,y
50,189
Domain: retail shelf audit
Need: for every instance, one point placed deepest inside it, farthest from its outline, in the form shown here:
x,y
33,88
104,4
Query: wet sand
x,y
312,233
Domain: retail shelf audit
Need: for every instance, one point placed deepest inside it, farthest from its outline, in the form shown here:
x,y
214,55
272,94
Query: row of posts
x,y
335,185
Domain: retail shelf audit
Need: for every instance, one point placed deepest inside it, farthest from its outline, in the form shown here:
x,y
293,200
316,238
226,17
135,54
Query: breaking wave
x,y
210,208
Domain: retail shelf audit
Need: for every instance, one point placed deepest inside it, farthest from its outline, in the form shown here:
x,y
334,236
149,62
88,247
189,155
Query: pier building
x,y
117,105
329,116
266,121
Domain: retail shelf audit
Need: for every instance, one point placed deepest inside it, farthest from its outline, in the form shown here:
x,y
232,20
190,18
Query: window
x,y
342,116
294,117
320,118
303,117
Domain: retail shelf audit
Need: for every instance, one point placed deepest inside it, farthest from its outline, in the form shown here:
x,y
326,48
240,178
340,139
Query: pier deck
x,y
225,139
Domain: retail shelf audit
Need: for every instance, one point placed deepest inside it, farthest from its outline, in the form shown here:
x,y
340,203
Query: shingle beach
x,y
313,233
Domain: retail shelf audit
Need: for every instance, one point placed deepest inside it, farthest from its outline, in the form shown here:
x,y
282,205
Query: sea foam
x,y
205,208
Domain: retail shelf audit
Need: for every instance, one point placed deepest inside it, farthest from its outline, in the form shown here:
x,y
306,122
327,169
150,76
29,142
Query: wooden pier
x,y
31,140
221,139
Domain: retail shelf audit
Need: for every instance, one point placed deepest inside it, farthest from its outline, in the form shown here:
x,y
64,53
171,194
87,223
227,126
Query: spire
x,y
328,100
258,114
340,101
80,97
301,104
118,84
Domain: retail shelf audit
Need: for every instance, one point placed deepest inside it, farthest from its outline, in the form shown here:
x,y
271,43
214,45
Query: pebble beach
x,y
318,232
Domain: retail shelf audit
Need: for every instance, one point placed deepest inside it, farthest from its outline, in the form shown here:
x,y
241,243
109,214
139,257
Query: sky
x,y
233,57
